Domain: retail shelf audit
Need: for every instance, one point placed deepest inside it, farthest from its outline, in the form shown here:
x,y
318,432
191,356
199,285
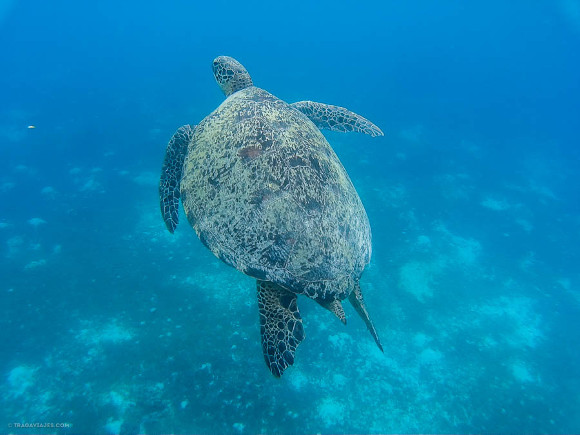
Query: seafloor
x,y
113,325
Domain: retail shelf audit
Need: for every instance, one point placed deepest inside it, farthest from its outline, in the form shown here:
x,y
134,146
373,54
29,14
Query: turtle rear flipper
x,y
336,118
356,299
280,325
335,307
171,174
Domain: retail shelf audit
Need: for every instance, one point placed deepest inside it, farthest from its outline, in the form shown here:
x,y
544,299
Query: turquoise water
x,y
109,324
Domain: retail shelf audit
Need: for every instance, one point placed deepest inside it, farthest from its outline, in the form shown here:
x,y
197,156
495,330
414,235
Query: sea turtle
x,y
265,192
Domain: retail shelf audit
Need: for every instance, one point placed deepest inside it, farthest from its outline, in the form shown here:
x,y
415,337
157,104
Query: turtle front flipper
x,y
336,118
171,175
280,326
356,299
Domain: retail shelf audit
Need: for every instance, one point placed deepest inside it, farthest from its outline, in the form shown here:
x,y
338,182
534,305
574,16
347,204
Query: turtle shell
x,y
266,193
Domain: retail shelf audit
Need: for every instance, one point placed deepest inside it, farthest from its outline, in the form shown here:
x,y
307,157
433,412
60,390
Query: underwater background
x,y
109,324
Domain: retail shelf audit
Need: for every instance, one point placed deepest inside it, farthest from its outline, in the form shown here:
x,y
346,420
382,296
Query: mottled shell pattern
x,y
266,193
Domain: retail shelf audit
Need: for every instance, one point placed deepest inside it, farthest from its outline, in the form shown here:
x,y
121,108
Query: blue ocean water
x,y
109,324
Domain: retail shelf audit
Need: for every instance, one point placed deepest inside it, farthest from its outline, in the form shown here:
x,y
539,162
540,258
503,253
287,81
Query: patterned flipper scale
x,y
280,326
327,116
171,174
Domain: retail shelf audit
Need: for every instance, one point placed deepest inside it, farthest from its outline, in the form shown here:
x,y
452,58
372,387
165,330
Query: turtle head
x,y
230,75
